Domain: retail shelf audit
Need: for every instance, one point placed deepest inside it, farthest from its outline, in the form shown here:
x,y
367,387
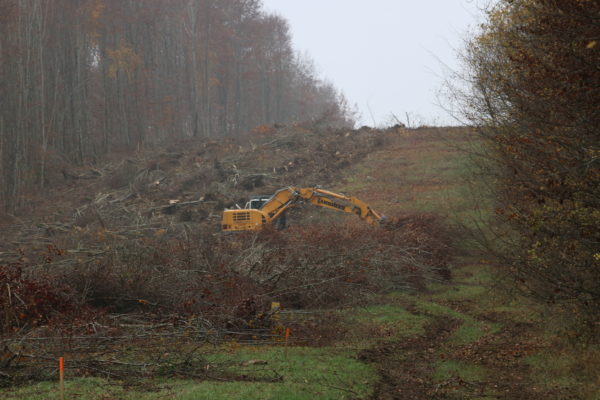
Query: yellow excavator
x,y
261,211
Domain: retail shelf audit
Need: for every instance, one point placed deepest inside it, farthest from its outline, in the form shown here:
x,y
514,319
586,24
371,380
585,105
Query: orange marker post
x,y
287,336
61,374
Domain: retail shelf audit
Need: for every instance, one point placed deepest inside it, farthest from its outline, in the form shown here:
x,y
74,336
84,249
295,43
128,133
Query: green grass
x,y
571,369
304,373
84,388
472,273
458,292
453,371
469,330
426,174
447,369
388,314
380,323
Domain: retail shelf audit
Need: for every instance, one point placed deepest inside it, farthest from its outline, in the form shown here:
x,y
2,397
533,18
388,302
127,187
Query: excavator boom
x,y
286,198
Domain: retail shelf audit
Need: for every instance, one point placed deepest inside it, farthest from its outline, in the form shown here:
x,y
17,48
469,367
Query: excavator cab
x,y
256,202
249,218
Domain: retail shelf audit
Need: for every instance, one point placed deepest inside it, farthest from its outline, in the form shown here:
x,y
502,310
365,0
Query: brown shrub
x,y
230,280
27,303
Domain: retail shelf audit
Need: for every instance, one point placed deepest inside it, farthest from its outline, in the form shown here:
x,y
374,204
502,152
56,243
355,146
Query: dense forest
x,y
83,78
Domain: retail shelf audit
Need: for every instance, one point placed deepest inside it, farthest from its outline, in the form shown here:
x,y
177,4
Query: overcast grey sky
x,y
385,55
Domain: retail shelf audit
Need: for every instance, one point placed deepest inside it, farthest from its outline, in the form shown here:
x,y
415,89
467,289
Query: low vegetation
x,y
198,315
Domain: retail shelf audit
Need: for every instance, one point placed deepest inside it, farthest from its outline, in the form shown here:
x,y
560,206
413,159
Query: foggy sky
x,y
387,56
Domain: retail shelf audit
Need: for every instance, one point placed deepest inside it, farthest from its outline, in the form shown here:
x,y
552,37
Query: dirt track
x,y
406,367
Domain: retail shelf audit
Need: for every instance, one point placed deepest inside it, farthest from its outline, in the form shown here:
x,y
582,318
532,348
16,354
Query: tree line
x,y
534,71
81,78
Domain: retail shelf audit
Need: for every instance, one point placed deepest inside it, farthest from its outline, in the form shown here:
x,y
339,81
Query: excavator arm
x,y
286,198
340,202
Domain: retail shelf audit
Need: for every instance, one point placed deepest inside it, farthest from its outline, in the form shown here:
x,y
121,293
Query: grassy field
x,y
263,372
500,345
457,339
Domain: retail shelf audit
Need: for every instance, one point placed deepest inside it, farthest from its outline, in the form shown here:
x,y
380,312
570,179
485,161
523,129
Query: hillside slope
x,y
365,311
187,184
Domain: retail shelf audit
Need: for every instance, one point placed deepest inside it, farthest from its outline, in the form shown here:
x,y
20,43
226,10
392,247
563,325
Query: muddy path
x,y
407,367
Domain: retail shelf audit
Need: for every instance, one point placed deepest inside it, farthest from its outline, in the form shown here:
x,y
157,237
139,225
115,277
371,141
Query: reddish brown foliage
x,y
535,76
27,303
230,281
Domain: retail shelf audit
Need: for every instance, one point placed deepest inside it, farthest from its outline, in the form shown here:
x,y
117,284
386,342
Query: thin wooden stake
x,y
61,374
287,336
